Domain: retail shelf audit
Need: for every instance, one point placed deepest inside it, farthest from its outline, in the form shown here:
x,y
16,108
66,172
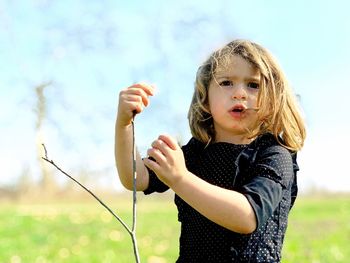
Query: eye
x,y
253,85
226,83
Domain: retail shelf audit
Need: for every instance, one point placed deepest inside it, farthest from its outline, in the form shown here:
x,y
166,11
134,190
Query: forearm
x,y
124,159
227,208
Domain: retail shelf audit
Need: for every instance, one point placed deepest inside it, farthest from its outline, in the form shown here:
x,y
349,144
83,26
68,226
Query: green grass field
x,y
319,231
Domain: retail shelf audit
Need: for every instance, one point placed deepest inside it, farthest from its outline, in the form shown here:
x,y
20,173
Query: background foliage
x,y
319,231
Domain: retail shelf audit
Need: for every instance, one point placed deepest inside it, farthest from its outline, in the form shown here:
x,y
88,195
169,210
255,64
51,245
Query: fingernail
x,y
154,88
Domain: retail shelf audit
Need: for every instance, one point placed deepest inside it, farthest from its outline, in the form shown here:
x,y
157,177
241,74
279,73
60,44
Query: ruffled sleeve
x,y
154,184
267,173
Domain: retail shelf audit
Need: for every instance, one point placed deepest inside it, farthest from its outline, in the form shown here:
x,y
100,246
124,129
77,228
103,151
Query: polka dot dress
x,y
265,173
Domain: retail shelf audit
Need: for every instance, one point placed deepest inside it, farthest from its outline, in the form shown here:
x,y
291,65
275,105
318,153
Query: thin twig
x,y
131,231
90,192
134,203
45,150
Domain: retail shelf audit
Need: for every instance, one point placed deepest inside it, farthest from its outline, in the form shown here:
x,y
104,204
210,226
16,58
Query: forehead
x,y
236,65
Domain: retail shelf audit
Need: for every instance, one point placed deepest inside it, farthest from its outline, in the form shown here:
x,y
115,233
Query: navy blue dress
x,y
264,172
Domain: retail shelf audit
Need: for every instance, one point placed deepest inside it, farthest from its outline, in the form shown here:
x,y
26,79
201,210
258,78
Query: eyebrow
x,y
253,78
256,79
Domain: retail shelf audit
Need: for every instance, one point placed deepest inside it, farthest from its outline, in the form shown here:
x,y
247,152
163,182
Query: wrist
x,y
121,124
179,181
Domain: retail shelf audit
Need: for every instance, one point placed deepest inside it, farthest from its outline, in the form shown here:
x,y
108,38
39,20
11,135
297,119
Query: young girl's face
x,y
233,95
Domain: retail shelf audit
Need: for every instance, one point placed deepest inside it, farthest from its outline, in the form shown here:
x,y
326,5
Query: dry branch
x,y
132,231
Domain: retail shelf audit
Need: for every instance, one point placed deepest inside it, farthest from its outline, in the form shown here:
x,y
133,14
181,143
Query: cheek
x,y
253,101
211,107
211,101
216,100
215,106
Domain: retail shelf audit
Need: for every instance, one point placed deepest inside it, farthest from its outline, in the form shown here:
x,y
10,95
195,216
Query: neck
x,y
234,139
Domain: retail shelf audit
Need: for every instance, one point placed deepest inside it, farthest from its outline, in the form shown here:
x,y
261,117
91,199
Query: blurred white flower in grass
x,y
41,259
106,217
116,235
161,247
109,256
15,259
76,218
155,259
146,241
76,249
337,253
39,212
84,240
64,253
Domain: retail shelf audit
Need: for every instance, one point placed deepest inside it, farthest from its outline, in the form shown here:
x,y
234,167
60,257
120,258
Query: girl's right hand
x,y
132,100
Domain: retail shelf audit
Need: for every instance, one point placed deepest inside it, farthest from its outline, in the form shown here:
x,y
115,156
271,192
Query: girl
x,y
235,180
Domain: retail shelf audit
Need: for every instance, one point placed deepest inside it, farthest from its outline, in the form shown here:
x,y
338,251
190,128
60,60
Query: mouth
x,y
239,108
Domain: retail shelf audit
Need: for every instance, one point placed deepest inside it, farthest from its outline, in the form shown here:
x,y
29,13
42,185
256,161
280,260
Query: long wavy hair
x,y
278,110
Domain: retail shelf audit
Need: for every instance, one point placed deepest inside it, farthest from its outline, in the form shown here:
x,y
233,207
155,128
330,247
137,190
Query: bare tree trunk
x,y
47,185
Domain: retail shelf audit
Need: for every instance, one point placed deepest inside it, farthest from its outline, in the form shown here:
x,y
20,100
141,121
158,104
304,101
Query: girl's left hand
x,y
169,162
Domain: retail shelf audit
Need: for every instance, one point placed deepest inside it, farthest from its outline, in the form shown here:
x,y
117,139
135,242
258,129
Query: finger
x,y
154,166
162,147
156,155
147,88
134,106
132,102
137,92
170,141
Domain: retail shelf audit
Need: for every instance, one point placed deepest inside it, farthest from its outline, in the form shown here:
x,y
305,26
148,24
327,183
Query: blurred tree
x,y
47,182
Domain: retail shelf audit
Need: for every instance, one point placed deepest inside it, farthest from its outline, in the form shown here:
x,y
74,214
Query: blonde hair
x,y
278,111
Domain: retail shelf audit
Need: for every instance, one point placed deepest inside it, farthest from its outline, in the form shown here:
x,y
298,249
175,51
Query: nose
x,y
239,93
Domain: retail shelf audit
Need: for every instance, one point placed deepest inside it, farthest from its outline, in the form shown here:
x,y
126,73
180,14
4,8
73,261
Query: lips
x,y
238,108
237,111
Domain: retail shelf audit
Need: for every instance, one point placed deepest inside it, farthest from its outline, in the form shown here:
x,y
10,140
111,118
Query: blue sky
x,y
90,50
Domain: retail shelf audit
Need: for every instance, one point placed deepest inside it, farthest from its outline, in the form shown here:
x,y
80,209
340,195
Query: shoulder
x,y
193,145
265,140
267,145
266,157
